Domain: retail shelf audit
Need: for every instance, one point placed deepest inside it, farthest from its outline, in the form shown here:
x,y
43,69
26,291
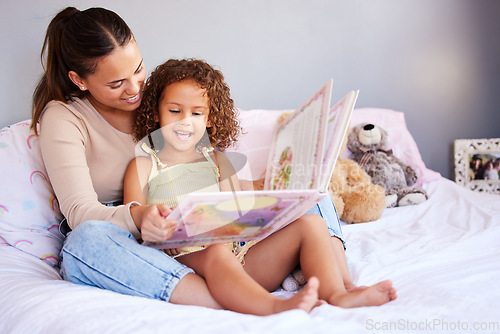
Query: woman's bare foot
x,y
306,299
374,295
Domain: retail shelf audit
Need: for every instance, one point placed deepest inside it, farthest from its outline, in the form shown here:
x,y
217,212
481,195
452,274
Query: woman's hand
x,y
150,219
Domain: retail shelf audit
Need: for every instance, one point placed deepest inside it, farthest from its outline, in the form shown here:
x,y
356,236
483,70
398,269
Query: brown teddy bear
x,y
355,197
369,146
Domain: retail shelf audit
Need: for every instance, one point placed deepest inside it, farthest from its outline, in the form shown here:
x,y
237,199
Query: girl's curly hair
x,y
222,115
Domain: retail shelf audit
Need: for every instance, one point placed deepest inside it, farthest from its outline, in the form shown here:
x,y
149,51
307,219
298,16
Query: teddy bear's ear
x,y
384,142
352,139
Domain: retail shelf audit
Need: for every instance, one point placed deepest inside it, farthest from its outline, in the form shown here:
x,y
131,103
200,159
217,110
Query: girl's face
x,y
183,112
117,83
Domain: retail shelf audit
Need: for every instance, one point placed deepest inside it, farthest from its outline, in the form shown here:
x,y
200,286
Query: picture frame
x,y
477,164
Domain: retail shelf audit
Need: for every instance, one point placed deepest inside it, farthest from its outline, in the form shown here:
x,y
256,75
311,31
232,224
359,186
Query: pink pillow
x,y
258,127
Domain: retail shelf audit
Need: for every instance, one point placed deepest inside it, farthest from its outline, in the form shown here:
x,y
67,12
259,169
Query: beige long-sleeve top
x,y
86,159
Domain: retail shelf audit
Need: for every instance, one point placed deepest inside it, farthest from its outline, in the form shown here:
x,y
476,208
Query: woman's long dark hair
x,y
75,41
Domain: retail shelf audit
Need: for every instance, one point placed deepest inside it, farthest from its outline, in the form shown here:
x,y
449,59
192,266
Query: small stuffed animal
x,y
294,281
370,149
356,198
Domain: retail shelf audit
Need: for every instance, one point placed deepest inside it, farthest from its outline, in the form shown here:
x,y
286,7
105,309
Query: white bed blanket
x,y
443,257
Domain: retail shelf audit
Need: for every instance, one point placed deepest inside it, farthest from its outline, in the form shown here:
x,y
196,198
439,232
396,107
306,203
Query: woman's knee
x,y
95,230
92,236
94,227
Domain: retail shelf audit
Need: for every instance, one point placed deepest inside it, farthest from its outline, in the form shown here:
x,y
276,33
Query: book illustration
x,y
282,179
239,218
303,132
248,211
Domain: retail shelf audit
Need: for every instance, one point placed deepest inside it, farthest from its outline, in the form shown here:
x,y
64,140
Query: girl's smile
x,y
181,135
183,114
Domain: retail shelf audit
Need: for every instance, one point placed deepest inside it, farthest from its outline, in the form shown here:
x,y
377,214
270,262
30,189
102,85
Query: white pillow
x,y
29,211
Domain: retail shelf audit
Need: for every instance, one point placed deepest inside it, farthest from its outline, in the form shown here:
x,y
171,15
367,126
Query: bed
x,y
442,256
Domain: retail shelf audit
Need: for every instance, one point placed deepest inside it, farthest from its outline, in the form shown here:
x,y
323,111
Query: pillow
x,y
258,128
259,125
401,141
29,211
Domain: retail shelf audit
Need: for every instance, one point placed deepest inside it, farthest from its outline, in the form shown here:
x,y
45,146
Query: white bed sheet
x,y
443,257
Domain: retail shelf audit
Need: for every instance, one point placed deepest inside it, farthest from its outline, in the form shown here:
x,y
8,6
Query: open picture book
x,y
301,160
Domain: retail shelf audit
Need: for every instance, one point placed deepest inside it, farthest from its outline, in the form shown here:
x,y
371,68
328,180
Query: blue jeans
x,y
326,209
106,256
103,255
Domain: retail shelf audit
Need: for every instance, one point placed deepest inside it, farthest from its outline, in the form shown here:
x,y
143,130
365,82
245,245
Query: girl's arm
x,y
135,181
255,185
229,178
150,219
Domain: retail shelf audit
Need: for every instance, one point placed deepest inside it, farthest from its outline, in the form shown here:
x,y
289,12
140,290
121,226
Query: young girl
x,y
189,101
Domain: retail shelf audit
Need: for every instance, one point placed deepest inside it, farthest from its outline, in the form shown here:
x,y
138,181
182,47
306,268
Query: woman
x,y
85,104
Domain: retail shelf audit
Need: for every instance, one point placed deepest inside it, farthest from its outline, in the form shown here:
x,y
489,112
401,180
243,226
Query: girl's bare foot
x,y
306,299
374,295
350,287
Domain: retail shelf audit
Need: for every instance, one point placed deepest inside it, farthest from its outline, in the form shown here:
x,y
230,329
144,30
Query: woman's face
x,y
117,83
183,112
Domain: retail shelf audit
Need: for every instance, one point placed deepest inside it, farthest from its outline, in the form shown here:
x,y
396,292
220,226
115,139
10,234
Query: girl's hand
x,y
172,251
258,184
153,225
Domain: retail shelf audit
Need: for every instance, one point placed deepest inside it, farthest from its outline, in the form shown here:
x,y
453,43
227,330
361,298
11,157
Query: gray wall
x,y
438,61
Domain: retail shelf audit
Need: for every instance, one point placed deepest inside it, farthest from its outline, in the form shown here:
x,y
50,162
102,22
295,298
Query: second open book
x,y
301,160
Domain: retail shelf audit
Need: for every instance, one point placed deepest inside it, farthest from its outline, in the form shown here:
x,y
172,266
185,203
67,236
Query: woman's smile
x,y
133,99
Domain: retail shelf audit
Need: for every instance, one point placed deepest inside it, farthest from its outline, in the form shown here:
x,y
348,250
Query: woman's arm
x,y
64,138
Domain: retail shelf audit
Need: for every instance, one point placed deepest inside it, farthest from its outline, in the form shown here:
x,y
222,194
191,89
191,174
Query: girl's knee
x,y
218,250
312,219
207,259
311,222
216,253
